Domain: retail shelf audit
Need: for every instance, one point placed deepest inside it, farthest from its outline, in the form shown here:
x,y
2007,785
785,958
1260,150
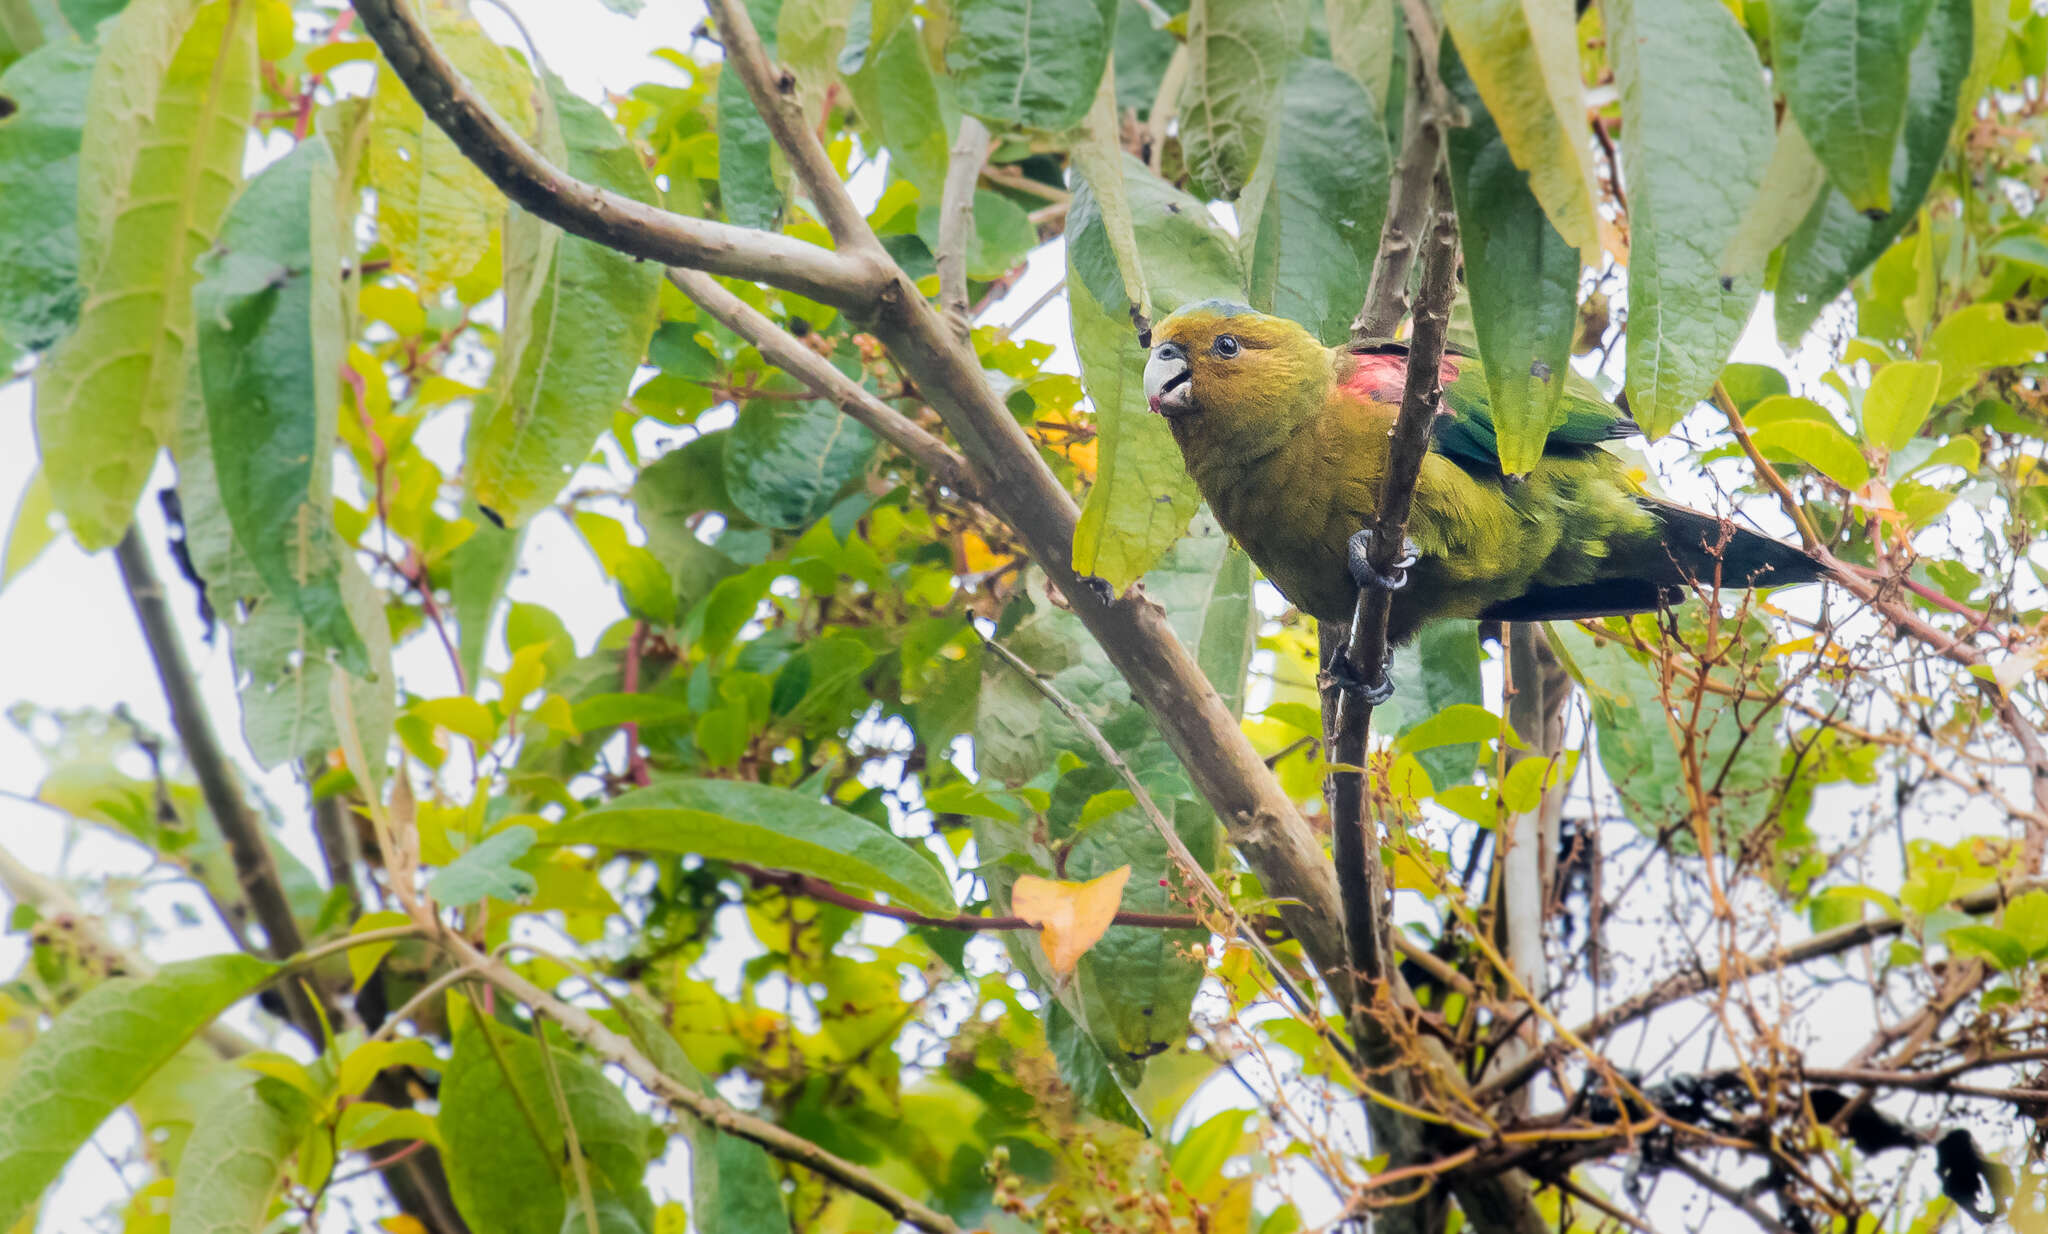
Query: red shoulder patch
x,y
1381,377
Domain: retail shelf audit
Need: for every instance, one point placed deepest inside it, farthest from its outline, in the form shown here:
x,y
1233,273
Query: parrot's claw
x,y
1344,677
1368,578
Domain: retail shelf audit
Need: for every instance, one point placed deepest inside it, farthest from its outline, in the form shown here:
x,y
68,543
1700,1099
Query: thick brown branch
x,y
776,97
1133,631
583,209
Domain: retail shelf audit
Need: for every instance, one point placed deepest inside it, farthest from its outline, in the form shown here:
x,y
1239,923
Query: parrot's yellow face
x,y
1227,363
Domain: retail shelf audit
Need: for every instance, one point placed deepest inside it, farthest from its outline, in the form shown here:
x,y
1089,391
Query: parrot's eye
x,y
1169,351
1226,345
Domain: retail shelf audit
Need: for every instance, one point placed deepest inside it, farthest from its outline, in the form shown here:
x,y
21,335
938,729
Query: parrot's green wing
x,y
1466,434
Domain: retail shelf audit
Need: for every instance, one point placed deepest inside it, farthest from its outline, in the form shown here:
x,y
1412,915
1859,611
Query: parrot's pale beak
x,y
1168,388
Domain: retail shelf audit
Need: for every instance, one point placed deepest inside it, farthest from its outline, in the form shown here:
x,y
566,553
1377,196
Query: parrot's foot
x,y
1370,579
1344,677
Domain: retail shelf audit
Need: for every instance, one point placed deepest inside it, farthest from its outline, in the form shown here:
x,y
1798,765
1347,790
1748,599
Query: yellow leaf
x,y
363,960
435,210
169,100
976,556
1073,915
1522,58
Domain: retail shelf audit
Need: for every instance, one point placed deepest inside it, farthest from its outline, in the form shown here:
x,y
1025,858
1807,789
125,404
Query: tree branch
x,y
787,352
1133,631
777,1140
1408,199
775,96
1359,878
1737,970
255,869
956,219
608,218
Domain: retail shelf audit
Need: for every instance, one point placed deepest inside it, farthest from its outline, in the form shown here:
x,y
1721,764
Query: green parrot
x,y
1288,441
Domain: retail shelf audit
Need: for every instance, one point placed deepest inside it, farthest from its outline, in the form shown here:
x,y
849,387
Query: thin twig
x,y
788,353
779,1141
1183,859
1357,846
956,219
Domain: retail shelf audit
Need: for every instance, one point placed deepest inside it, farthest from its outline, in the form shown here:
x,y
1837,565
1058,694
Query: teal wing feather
x,y
1466,434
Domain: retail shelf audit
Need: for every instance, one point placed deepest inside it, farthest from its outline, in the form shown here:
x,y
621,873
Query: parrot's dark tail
x,y
1701,548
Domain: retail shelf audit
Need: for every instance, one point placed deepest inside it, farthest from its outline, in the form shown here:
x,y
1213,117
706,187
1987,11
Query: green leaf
x,y
363,960
96,1054
1029,63
1689,184
153,183
39,150
1444,660
1898,402
1142,52
1821,446
898,103
733,1185
487,870
478,571
1843,67
32,530
1311,223
235,1157
1836,242
270,342
284,680
808,37
436,209
1792,182
1988,942
1969,341
1522,60
1003,234
1238,54
578,317
1098,158
746,158
495,1100
1363,42
643,582
1131,992
1458,724
732,820
1142,497
786,460
1523,277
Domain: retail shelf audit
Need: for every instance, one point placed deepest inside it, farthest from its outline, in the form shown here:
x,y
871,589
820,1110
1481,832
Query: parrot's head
x,y
1234,370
